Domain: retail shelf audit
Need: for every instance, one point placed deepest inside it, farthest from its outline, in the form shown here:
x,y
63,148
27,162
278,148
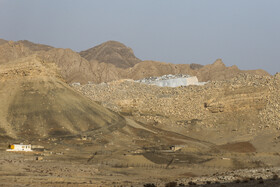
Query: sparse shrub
x,y
275,177
237,181
192,183
149,185
171,184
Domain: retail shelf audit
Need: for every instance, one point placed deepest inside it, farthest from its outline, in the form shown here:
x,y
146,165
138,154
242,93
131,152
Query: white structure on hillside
x,y
172,81
19,147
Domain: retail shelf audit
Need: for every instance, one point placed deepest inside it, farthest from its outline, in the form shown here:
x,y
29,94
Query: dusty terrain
x,y
238,118
70,169
124,133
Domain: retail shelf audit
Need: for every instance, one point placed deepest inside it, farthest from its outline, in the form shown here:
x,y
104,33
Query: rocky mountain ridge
x,y
75,68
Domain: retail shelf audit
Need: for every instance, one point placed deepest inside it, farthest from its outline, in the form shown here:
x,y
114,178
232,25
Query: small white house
x,y
19,147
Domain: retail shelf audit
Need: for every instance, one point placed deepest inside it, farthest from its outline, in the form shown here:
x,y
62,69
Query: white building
x,y
19,147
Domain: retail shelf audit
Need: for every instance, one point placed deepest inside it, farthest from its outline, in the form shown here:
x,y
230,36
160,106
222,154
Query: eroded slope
x,y
36,102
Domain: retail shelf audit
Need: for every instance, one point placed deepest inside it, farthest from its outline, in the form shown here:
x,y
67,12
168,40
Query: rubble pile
x,y
247,98
271,115
238,176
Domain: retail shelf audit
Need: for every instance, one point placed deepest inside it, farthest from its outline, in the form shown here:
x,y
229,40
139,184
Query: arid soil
x,y
124,133
72,169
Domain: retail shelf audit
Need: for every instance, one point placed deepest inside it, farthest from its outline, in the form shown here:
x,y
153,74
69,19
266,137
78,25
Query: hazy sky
x,y
241,32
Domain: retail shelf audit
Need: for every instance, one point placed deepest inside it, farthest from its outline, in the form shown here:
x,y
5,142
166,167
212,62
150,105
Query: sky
x,y
245,33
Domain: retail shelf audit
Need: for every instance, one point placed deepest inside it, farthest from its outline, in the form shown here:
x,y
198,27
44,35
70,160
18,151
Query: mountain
x,y
35,47
211,72
72,66
112,52
219,71
85,67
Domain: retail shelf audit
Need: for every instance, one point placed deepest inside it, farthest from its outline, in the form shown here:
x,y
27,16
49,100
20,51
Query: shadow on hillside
x,y
245,183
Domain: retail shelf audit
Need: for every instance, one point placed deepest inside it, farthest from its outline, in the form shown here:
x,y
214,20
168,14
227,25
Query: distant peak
x,y
112,43
219,62
112,52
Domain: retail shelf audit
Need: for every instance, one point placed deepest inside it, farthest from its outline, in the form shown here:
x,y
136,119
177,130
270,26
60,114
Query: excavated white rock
x,y
172,80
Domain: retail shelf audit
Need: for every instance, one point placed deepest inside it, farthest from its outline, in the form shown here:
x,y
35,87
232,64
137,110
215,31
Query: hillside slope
x,y
36,102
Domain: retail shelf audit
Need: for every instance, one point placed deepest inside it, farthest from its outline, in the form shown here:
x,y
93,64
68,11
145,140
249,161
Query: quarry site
x,y
103,117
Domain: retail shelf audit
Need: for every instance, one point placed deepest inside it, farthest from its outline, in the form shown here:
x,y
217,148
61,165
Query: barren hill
x,y
2,41
36,102
112,52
